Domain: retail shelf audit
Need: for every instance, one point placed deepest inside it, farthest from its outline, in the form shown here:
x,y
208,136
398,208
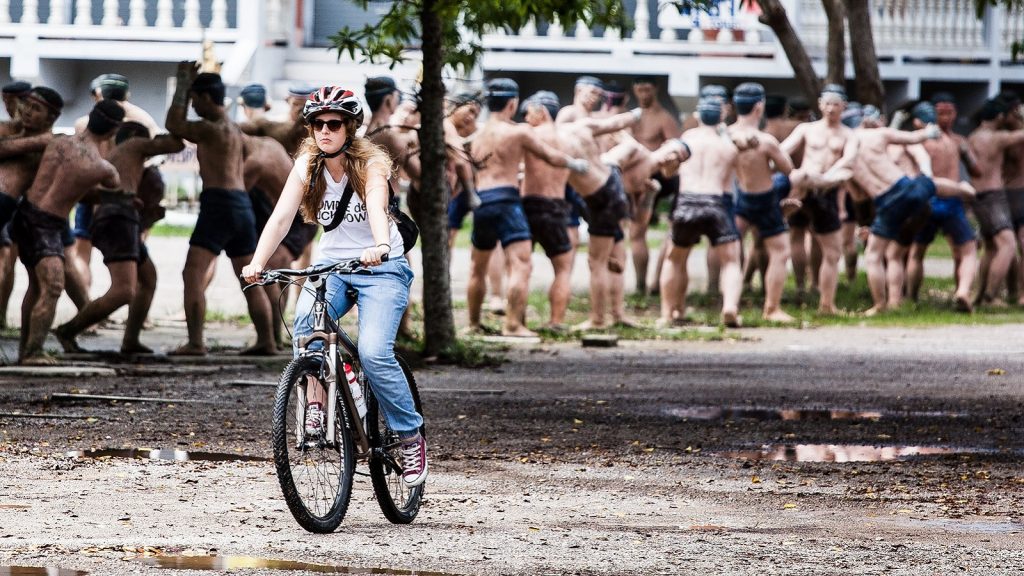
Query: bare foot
x,y
963,304
520,332
259,351
478,330
67,341
731,319
188,350
874,310
779,316
136,348
828,311
790,206
993,302
625,322
41,359
589,325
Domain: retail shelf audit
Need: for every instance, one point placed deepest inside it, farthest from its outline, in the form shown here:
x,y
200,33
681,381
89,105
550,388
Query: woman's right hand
x,y
252,273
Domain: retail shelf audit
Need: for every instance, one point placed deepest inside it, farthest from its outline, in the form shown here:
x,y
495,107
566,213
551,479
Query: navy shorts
x,y
906,199
549,223
38,234
577,207
226,223
116,231
458,209
949,216
83,221
820,211
262,208
763,211
499,218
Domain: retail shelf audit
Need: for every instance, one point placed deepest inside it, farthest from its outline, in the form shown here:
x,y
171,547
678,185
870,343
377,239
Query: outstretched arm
x,y
535,146
795,140
613,123
177,115
905,138
18,146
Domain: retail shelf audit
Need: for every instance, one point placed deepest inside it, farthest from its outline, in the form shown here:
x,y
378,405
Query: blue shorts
x,y
577,207
499,218
906,199
763,211
226,223
83,221
948,215
458,208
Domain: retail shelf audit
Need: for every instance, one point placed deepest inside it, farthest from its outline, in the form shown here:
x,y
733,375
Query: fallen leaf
x,y
755,480
788,506
577,421
995,372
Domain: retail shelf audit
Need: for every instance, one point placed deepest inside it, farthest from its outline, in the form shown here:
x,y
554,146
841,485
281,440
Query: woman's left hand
x,y
372,256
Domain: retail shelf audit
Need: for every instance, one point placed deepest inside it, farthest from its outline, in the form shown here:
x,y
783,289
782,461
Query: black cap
x,y
377,85
17,88
47,97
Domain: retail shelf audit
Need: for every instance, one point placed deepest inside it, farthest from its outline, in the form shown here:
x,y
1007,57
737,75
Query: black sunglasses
x,y
332,125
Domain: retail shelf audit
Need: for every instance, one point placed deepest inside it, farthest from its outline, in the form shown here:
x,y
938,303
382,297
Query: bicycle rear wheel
x,y
316,478
398,502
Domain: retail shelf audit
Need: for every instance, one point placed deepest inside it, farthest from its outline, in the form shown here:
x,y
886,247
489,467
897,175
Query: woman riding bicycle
x,y
332,158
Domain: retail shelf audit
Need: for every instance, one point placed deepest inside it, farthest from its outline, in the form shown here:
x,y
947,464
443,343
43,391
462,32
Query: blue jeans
x,y
382,298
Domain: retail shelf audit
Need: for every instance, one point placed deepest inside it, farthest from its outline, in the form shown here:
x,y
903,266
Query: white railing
x,y
1013,29
725,23
926,26
61,12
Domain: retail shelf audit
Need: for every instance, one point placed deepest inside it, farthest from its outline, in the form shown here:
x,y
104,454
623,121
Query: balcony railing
x,y
121,19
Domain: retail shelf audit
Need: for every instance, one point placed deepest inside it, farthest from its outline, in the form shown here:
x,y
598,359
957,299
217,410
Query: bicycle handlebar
x,y
353,266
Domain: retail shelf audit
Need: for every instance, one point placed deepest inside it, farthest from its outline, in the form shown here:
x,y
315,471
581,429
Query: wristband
x,y
384,244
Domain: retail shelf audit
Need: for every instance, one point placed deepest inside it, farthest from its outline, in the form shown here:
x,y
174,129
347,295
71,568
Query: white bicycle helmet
x,y
333,99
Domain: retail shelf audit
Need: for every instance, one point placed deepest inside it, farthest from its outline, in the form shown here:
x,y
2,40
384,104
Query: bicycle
x,y
309,464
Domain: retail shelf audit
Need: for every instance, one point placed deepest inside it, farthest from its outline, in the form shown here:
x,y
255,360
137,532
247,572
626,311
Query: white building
x,y
923,46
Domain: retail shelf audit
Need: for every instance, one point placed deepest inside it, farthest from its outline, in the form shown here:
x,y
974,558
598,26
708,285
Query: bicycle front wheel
x,y
315,476
398,502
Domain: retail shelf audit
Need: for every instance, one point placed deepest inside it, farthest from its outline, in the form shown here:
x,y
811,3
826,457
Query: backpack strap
x,y
339,214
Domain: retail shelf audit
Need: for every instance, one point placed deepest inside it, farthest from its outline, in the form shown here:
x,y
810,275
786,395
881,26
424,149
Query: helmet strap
x,y
340,151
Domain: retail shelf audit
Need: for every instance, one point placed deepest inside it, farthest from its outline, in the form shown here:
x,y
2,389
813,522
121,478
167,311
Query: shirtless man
x,y
989,144
898,199
459,126
655,128
110,87
118,237
762,172
700,209
265,172
253,100
290,132
947,152
19,161
1013,170
69,169
829,150
498,149
587,95
226,221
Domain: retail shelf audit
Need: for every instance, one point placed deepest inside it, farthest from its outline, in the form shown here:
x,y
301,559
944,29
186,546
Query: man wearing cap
x,y
946,152
655,128
115,87
701,210
587,95
988,143
762,173
71,167
291,132
829,150
898,198
226,222
499,148
20,154
253,99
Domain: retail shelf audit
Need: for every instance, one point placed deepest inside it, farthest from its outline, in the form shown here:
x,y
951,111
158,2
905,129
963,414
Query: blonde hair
x,y
356,158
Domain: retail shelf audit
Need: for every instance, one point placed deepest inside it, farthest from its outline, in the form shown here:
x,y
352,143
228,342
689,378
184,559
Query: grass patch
x,y
223,317
164,230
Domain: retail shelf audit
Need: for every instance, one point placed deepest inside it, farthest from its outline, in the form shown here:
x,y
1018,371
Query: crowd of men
x,y
744,161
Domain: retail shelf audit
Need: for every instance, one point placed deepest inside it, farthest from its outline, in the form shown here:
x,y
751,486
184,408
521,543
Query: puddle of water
x,y
38,571
841,453
765,414
157,454
241,562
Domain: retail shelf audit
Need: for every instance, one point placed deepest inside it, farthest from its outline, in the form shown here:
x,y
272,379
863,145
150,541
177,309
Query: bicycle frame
x,y
326,330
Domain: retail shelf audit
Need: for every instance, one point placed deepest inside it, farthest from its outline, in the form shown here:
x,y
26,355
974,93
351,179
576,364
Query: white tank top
x,y
353,234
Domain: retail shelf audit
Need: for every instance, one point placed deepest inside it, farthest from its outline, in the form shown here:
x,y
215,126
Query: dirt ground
x,y
564,460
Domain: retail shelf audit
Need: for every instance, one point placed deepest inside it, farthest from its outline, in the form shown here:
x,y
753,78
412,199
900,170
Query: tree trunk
x,y
438,322
836,51
862,51
773,14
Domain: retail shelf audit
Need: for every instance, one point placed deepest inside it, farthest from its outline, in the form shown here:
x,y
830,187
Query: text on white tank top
x,y
353,235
